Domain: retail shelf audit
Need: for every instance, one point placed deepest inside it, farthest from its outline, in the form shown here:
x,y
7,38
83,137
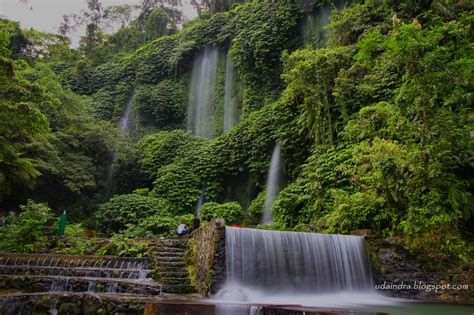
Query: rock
x,y
391,240
363,232
91,304
16,283
37,287
151,309
322,224
385,254
69,309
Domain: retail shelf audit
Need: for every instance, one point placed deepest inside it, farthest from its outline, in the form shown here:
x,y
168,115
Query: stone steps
x,y
170,254
176,281
178,289
169,260
166,249
173,274
175,264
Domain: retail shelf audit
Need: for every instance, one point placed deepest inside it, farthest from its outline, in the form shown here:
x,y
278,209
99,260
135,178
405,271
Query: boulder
x,y
362,232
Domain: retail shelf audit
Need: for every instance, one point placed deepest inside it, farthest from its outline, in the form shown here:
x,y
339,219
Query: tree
x,y
158,23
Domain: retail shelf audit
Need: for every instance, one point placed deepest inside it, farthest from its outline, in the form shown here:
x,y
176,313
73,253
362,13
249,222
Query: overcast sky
x,y
46,15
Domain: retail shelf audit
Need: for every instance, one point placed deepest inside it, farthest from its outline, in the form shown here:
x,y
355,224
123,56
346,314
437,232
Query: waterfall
x,y
274,177
201,102
230,101
314,29
126,121
199,202
294,263
125,124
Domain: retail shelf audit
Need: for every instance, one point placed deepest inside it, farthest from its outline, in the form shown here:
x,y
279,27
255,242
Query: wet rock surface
x,y
397,273
71,303
219,265
206,257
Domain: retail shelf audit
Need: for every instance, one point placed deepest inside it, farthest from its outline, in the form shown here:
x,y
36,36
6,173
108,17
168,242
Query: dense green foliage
x,y
122,210
393,153
231,212
374,125
262,32
162,105
29,231
157,226
48,137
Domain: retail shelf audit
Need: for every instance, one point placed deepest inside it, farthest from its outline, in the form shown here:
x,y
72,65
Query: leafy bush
x,y
156,226
74,230
121,210
348,24
76,245
124,248
231,212
28,231
255,210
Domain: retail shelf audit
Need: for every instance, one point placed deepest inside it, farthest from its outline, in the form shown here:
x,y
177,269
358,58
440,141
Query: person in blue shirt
x,y
182,229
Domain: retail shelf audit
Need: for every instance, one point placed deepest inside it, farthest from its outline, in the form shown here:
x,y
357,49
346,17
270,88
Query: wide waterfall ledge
x,y
311,269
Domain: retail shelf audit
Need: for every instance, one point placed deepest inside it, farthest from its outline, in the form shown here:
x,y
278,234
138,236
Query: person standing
x,y
196,221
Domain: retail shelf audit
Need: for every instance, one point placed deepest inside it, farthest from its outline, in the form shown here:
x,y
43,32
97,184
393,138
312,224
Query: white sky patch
x,y
47,15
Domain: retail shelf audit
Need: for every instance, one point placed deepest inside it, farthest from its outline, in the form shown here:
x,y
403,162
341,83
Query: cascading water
x,y
314,29
294,262
231,115
201,102
313,26
294,268
57,273
199,202
125,124
126,121
274,179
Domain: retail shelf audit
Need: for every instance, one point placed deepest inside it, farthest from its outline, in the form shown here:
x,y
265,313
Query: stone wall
x,y
71,304
206,257
398,273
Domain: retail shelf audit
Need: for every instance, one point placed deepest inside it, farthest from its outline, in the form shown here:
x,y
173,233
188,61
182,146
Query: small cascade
x,y
199,202
201,104
126,125
231,116
61,273
293,263
59,285
274,179
126,121
313,28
